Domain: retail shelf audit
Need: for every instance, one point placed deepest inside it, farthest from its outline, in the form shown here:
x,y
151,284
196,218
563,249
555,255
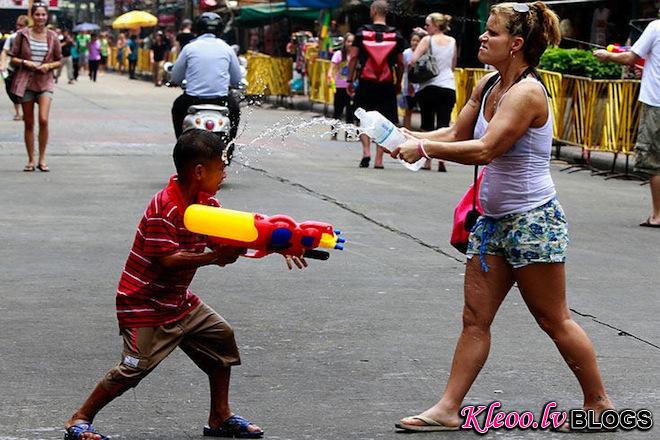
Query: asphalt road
x,y
341,350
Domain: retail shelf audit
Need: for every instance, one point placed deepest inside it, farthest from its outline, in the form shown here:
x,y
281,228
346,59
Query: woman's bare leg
x,y
44,111
484,292
543,287
28,134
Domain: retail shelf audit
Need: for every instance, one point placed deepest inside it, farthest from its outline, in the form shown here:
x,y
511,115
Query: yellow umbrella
x,y
134,19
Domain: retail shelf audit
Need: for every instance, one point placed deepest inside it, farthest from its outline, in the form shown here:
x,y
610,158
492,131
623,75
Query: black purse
x,y
425,68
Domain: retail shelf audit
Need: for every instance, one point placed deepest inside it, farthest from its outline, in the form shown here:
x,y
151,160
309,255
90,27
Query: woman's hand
x,y
29,65
299,262
410,134
407,151
44,68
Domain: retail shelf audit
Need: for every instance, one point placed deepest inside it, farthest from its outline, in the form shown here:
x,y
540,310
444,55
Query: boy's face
x,y
210,175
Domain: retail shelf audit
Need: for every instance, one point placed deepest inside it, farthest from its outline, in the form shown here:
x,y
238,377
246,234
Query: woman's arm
x,y
464,125
421,49
522,107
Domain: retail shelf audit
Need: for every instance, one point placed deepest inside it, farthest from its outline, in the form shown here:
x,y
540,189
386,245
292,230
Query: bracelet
x,y
421,150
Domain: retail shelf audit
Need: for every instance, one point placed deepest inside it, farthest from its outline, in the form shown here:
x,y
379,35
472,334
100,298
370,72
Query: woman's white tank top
x,y
519,180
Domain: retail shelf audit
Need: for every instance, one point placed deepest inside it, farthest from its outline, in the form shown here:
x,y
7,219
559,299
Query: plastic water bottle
x,y
383,132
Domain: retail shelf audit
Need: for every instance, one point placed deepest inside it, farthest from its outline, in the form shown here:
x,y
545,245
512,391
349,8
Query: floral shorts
x,y
536,236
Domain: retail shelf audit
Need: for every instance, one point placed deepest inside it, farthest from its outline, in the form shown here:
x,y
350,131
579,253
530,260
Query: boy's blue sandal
x,y
234,427
74,432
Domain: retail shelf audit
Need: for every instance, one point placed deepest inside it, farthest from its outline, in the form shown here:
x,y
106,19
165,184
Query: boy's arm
x,y
182,260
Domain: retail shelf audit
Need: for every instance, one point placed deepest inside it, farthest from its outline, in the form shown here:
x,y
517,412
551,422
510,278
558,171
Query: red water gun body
x,y
263,234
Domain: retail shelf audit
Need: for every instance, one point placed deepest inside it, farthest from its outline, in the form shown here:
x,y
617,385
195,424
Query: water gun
x,y
262,234
617,48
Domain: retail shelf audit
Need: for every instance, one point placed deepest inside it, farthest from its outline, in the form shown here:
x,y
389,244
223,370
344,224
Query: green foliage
x,y
578,62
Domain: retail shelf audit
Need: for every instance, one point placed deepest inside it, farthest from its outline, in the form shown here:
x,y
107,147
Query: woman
x,y
121,48
75,59
66,43
132,55
159,53
409,89
522,236
35,54
94,56
339,73
437,96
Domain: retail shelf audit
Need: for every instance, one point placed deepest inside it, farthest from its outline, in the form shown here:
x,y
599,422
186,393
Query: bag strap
x,y
489,85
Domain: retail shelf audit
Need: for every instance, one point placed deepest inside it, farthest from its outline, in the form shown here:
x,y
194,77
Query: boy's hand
x,y
227,255
300,262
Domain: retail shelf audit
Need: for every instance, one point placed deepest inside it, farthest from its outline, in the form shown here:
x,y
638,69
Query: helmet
x,y
208,22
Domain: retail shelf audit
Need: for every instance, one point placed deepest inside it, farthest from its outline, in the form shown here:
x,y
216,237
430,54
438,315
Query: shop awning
x,y
263,14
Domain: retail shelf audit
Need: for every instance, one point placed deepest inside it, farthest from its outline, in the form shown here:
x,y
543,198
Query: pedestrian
x,y
376,61
105,44
94,56
8,69
66,43
132,55
121,52
185,36
156,310
158,53
338,73
437,96
647,148
521,237
82,42
75,60
408,88
35,54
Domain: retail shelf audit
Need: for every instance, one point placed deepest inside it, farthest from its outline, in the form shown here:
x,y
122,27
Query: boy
x,y
156,310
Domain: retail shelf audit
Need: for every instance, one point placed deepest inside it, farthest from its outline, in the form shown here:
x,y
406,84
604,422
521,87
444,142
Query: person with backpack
x,y
376,63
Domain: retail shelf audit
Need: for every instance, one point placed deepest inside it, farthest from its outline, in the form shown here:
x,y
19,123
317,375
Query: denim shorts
x,y
536,236
31,95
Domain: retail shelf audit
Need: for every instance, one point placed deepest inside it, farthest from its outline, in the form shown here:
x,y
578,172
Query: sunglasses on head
x,y
521,7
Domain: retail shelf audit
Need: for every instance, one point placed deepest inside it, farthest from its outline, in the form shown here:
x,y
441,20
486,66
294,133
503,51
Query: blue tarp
x,y
316,4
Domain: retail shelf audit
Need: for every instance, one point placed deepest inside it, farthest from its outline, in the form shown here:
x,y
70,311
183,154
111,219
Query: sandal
x,y
234,427
28,168
364,163
74,432
43,168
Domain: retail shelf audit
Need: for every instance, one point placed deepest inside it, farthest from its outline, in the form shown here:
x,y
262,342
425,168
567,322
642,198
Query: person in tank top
x,y
521,237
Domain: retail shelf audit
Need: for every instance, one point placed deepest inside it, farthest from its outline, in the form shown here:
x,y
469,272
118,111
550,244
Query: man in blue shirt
x,y
209,66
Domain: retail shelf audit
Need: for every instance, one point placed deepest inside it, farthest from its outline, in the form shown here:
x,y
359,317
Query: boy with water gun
x,y
156,310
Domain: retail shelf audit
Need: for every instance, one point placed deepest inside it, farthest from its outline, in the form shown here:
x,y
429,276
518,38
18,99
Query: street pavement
x,y
341,350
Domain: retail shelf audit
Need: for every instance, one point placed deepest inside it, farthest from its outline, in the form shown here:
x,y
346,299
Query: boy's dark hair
x,y
196,146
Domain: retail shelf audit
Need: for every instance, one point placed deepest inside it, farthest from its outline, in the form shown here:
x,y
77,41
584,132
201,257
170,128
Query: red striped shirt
x,y
149,295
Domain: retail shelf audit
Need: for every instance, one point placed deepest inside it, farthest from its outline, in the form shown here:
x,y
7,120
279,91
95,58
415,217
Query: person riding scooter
x,y
209,66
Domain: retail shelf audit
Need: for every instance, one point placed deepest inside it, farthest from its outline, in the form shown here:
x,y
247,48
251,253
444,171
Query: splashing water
x,y
281,131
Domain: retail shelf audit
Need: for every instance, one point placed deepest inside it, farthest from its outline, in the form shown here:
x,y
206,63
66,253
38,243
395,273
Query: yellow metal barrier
x,y
268,75
319,88
553,83
621,116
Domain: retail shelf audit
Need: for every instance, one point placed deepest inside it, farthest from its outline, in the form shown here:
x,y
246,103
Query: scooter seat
x,y
211,107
